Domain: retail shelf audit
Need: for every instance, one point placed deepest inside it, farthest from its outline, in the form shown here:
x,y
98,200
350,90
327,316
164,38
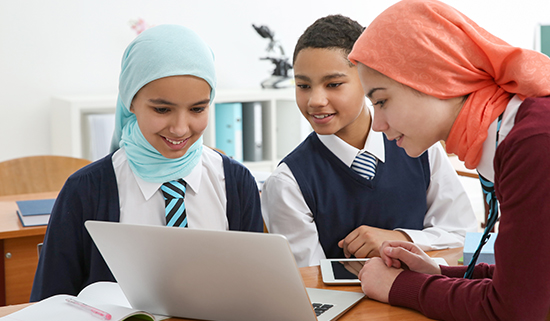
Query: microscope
x,y
279,78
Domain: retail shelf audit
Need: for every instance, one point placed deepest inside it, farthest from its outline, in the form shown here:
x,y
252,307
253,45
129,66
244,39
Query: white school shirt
x,y
485,166
142,202
448,218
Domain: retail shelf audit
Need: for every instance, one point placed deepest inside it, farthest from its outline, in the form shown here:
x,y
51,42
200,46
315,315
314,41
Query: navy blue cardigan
x,y
69,260
342,200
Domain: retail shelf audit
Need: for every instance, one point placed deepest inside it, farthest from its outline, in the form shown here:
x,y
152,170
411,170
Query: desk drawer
x,y
20,261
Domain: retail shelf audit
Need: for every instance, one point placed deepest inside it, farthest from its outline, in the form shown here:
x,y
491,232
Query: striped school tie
x,y
174,193
364,164
491,199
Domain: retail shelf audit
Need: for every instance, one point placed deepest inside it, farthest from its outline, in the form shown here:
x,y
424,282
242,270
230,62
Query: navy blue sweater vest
x,y
342,200
69,260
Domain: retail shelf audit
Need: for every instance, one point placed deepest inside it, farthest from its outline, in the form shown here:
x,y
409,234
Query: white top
x,y
142,202
449,216
485,166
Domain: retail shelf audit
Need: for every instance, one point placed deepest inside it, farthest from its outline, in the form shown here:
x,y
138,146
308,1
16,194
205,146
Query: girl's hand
x,y
377,279
399,254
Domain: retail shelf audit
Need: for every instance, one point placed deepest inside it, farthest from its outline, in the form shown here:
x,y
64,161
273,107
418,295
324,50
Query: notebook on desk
x,y
212,275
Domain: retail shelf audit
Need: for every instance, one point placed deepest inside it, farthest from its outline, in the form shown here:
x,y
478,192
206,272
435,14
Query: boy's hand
x,y
365,241
397,253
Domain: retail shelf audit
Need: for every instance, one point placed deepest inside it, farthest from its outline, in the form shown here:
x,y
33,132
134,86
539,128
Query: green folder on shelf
x,y
229,129
545,39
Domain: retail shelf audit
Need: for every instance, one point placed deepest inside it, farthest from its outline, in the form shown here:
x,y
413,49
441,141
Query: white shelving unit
x,y
283,127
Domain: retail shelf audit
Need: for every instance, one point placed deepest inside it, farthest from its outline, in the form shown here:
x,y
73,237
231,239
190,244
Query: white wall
x,y
73,47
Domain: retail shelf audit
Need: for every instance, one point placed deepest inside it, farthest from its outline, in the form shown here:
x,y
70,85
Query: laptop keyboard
x,y
320,308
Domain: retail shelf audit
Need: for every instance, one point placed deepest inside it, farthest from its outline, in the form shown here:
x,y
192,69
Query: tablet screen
x,y
341,269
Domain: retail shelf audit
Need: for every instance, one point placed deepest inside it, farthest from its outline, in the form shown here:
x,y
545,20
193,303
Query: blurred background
x,y
74,47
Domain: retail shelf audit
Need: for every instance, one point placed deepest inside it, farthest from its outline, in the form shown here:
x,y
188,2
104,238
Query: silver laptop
x,y
212,275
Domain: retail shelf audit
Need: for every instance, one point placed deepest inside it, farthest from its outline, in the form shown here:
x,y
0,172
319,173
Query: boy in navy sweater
x,y
330,206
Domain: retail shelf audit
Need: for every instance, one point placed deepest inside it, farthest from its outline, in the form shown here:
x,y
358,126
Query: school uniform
x,y
221,195
518,286
315,199
486,72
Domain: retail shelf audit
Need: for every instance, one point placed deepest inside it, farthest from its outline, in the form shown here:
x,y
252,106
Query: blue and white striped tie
x,y
364,164
174,194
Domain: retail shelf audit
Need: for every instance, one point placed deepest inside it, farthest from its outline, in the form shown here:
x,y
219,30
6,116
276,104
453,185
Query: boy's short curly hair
x,y
334,31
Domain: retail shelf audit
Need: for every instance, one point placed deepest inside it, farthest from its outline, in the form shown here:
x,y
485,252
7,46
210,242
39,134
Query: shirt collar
x,y
347,153
193,180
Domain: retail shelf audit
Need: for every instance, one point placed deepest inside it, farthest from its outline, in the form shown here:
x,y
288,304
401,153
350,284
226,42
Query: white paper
x,y
105,296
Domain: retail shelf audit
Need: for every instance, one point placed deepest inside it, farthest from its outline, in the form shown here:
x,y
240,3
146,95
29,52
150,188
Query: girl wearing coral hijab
x,y
433,74
158,164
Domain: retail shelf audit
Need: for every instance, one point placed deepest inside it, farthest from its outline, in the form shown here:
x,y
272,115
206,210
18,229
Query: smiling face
x,y
415,120
172,113
330,96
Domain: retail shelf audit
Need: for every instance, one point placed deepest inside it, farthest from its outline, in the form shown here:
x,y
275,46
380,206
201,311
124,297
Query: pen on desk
x,y
96,312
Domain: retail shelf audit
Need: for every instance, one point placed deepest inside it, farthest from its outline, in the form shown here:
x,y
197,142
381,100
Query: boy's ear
x,y
132,108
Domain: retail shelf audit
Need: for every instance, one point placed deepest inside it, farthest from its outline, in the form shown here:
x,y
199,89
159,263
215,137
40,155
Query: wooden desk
x,y
19,251
461,170
364,310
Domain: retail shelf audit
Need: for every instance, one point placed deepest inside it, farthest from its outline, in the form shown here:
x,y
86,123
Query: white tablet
x,y
345,271
341,271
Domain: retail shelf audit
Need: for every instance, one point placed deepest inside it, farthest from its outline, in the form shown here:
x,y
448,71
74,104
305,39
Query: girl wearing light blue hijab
x,y
166,84
143,63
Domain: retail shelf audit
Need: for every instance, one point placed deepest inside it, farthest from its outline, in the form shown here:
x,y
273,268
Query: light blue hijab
x,y
162,51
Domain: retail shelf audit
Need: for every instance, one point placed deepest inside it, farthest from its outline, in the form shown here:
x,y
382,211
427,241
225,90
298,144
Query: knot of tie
x,y
364,164
174,189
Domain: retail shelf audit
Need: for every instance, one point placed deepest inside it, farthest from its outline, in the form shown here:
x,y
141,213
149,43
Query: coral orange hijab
x,y
433,48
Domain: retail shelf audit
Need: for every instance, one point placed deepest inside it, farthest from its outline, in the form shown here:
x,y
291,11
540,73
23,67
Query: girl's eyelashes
x,y
164,110
379,103
198,110
330,85
161,110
